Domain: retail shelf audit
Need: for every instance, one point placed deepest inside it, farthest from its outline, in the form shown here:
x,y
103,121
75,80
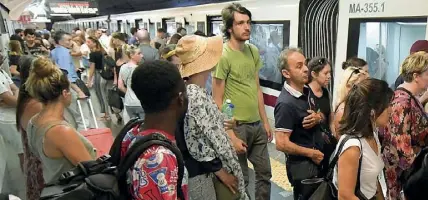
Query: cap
x,y
420,45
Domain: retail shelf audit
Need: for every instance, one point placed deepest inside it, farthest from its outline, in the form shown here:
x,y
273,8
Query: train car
x,y
275,26
380,31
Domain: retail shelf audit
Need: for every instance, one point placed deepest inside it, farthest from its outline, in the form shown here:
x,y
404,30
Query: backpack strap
x,y
333,162
116,148
138,148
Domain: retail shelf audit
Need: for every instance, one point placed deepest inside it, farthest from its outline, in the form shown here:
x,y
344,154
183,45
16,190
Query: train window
x,y
201,26
152,30
145,25
190,29
384,44
158,25
215,25
270,38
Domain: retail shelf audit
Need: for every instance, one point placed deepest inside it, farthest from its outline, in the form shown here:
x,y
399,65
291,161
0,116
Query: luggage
x,y
102,179
101,138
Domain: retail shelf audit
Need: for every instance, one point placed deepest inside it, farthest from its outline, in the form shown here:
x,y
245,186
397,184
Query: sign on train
x,y
74,7
367,8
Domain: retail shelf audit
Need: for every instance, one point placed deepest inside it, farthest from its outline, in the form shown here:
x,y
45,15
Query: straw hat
x,y
198,54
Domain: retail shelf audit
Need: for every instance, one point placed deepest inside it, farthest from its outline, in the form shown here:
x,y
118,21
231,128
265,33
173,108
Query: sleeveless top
x,y
52,167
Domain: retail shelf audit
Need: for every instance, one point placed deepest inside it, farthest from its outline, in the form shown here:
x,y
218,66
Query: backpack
x,y
415,179
107,72
106,177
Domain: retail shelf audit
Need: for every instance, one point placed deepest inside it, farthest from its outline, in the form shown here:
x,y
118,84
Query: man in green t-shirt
x,y
236,78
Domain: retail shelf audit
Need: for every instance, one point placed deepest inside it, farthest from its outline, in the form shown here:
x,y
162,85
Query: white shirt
x,y
371,166
7,115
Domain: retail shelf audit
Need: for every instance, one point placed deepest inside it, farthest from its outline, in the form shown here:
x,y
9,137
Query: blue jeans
x,y
135,111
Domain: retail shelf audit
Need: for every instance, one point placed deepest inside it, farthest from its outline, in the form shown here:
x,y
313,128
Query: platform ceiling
x,y
123,6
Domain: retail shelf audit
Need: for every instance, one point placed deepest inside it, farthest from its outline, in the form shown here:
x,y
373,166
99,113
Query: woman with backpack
x,y
360,161
96,65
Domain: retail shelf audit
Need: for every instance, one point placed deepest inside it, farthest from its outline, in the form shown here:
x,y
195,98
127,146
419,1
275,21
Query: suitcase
x,y
101,138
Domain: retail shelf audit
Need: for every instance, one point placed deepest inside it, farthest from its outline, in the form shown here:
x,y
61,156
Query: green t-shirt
x,y
238,69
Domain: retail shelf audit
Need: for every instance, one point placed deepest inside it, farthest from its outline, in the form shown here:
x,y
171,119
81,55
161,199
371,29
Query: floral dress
x,y
205,135
403,138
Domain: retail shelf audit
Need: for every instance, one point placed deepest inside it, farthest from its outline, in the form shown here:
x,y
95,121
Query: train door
x,y
138,23
119,26
381,32
152,30
215,25
200,26
190,27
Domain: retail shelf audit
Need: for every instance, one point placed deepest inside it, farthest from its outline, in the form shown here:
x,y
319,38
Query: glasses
x,y
356,71
319,62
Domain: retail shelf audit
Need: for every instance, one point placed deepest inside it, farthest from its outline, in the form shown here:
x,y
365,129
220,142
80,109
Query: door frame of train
x,y
392,9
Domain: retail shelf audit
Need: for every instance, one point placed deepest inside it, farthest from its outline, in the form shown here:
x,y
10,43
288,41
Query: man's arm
x,y
283,143
218,91
262,111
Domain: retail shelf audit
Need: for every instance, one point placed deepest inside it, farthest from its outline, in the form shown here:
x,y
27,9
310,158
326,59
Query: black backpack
x,y
415,179
105,178
107,72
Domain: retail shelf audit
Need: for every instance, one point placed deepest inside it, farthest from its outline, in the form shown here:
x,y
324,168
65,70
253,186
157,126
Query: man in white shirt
x,y
11,176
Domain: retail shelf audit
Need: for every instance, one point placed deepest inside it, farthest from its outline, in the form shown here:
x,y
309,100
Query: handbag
x,y
325,188
83,87
114,98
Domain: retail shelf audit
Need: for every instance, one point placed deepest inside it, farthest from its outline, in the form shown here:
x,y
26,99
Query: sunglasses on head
x,y
319,62
356,71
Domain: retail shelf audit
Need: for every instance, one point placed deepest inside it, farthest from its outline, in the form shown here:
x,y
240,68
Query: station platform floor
x,y
281,188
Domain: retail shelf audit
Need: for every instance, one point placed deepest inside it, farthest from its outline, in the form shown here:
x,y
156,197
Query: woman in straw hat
x,y
209,147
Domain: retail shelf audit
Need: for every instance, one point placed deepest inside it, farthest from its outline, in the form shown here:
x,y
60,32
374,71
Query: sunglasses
x,y
356,71
319,62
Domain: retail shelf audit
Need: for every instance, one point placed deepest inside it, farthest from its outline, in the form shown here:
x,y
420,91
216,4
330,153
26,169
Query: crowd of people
x,y
179,87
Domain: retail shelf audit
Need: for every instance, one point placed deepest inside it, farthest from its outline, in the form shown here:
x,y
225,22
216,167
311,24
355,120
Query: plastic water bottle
x,y
227,109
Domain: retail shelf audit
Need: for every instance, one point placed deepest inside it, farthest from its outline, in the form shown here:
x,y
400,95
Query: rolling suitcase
x,y
101,138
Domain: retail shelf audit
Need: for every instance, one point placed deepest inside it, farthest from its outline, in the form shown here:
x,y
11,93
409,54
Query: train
x,y
379,31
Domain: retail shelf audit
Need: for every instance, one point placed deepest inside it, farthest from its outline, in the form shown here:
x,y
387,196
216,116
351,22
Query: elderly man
x,y
149,53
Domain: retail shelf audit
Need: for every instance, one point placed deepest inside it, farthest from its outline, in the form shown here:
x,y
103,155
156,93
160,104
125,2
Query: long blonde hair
x,y
15,47
351,76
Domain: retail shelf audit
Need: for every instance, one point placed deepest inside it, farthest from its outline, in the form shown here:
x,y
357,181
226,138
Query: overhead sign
x,y
74,8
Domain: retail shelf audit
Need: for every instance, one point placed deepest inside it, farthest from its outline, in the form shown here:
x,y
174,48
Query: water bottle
x,y
227,109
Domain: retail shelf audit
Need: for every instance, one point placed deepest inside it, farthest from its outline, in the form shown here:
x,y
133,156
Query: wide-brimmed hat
x,y
198,54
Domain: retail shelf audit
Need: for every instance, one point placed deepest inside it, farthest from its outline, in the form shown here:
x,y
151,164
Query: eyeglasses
x,y
356,71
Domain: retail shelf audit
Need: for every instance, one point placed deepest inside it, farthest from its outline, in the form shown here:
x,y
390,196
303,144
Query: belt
x,y
241,123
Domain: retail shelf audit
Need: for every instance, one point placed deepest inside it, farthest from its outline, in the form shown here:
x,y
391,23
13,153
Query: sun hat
x,y
198,54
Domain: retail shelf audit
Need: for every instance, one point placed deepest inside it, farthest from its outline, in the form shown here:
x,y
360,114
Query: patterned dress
x,y
403,138
205,135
